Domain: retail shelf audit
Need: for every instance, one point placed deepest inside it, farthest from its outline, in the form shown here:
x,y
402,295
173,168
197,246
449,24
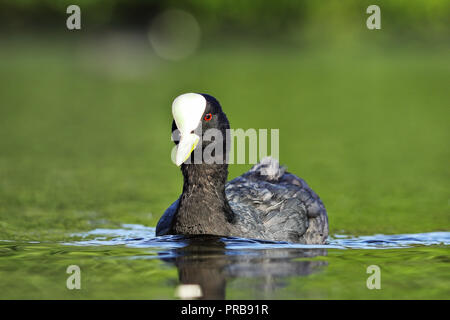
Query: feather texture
x,y
269,203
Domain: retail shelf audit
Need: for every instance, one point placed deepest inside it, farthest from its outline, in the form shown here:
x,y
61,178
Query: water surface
x,y
130,262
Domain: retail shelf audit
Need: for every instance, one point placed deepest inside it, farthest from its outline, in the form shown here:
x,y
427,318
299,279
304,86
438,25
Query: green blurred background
x,y
85,114
85,120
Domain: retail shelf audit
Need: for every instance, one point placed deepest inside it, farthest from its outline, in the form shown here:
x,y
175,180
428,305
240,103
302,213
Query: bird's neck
x,y
204,208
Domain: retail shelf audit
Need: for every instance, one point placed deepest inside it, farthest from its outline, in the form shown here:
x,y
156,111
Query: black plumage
x,y
264,203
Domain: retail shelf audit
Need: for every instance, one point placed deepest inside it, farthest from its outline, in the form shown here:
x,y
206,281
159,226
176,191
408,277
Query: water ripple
x,y
134,235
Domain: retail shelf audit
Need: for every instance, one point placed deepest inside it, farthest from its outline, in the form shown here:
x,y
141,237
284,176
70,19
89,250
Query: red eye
x,y
208,117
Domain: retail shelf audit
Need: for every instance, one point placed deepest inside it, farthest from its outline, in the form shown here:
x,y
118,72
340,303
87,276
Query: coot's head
x,y
200,129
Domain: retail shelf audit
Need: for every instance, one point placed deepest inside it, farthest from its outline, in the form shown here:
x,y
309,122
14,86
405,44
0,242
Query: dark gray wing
x,y
317,232
272,204
165,223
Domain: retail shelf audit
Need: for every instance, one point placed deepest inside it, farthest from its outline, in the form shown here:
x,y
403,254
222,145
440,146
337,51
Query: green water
x,y
150,269
85,144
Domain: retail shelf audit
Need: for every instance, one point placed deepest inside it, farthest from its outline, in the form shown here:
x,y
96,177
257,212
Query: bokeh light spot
x,y
174,34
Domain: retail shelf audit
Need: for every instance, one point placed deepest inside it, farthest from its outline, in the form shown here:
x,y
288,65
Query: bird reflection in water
x,y
206,263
